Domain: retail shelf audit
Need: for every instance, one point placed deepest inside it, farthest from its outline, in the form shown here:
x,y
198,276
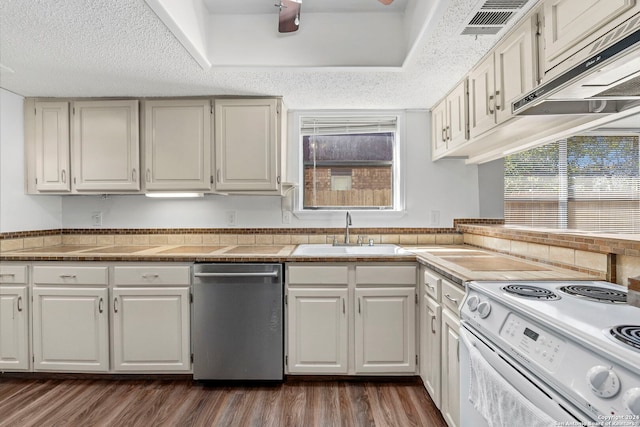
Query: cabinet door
x,y
439,130
70,329
450,376
515,67
52,146
430,347
151,329
570,24
14,331
247,146
106,146
385,330
178,143
482,97
317,330
457,115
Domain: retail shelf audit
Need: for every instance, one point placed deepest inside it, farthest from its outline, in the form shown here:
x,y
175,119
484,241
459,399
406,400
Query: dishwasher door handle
x,y
259,274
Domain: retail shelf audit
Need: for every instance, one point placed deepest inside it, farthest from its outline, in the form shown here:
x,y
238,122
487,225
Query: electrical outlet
x,y
231,217
286,217
96,219
435,217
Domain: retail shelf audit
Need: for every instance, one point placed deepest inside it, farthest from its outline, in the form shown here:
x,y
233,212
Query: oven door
x,y
523,395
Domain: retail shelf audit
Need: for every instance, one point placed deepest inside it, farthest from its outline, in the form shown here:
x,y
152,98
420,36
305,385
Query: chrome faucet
x,y
346,230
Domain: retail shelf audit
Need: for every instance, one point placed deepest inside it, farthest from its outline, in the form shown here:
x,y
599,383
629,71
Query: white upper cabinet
x,y
106,146
177,141
52,146
570,25
507,73
248,145
449,121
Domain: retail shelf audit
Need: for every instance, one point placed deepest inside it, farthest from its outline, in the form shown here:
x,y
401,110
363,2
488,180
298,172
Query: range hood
x,y
606,81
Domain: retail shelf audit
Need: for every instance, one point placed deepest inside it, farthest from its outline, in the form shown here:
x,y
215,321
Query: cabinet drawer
x,y
452,296
431,284
13,274
55,275
386,275
152,275
318,275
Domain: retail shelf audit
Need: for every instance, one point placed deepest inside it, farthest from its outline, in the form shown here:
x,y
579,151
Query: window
x,y
589,183
349,162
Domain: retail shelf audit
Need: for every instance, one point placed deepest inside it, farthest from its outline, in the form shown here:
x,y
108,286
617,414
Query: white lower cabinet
x,y
70,328
317,334
385,330
14,318
351,319
150,315
439,347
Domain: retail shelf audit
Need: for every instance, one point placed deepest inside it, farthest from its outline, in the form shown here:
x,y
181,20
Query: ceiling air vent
x,y
492,16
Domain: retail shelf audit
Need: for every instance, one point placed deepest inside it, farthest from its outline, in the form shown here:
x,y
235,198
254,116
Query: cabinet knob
x,y
497,99
491,104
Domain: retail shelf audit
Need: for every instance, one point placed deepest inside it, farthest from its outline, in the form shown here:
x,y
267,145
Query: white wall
x,y
491,185
19,212
448,187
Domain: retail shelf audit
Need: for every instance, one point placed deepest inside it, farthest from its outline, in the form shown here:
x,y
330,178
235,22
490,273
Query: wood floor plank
x,y
183,403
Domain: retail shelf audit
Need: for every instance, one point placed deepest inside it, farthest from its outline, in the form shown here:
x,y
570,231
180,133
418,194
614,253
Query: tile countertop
x,y
458,263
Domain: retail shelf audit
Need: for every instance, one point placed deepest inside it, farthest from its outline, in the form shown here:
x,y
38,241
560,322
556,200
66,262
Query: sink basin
x,y
330,250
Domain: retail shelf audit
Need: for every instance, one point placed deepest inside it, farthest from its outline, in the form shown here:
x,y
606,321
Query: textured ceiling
x,y
111,48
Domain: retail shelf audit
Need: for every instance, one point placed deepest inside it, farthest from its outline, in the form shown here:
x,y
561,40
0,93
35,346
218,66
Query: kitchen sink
x,y
330,250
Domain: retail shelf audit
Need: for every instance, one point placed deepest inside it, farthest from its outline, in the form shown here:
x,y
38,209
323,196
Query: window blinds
x,y
326,125
589,183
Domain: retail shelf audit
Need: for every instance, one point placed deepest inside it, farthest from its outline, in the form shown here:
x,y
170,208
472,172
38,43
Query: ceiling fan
x,y
289,16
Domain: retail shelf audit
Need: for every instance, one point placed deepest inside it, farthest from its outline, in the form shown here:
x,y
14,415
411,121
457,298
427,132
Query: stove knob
x,y
604,382
484,308
472,302
632,401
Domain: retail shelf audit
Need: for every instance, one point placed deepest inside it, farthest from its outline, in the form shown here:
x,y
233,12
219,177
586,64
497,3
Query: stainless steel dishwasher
x,y
237,329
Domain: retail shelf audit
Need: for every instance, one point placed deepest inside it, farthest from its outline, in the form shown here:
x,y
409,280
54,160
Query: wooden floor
x,y
102,402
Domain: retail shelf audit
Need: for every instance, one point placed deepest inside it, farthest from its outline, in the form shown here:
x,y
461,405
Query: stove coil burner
x,y
627,334
595,293
533,292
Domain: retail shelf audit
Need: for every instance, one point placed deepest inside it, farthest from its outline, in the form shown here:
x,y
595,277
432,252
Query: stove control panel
x,y
603,381
541,346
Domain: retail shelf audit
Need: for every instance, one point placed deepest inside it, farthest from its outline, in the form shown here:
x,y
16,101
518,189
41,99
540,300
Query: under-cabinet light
x,y
175,195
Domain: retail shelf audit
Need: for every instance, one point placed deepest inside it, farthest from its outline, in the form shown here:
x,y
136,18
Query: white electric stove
x,y
576,341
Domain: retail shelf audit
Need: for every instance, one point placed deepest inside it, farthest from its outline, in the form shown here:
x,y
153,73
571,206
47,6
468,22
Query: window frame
x,y
399,176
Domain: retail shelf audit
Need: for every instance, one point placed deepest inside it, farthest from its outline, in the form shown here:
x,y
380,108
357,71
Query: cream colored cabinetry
x,y
14,318
506,73
51,150
150,318
177,144
351,319
249,152
570,25
106,146
439,353
70,318
452,296
430,333
450,121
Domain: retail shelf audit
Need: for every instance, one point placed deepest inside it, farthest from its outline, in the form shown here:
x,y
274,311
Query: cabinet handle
x,y
7,275
133,175
150,276
115,305
344,309
148,175
453,300
491,111
63,176
67,276
497,99
444,134
100,305
448,133
19,304
278,179
433,328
